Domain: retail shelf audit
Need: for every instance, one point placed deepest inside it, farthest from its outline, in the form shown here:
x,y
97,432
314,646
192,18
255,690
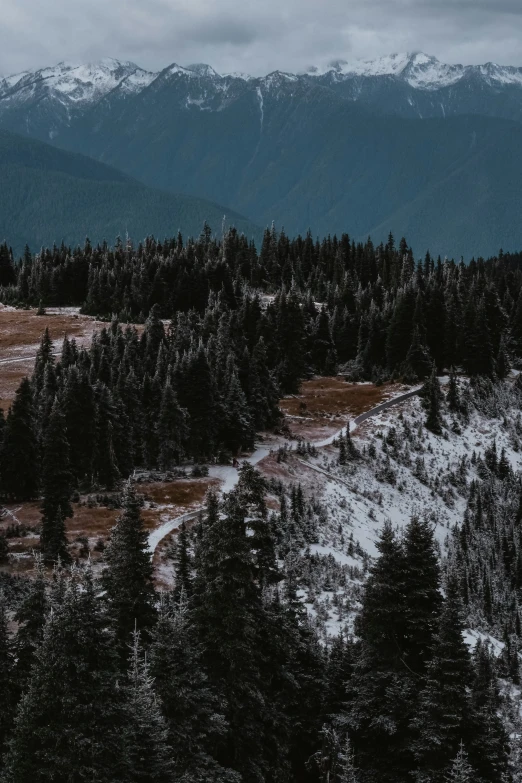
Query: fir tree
x,y
432,396
502,364
20,474
190,705
148,756
343,458
69,722
453,396
7,679
443,715
228,617
30,616
57,489
78,406
172,429
461,771
7,269
418,357
422,592
104,464
127,578
348,770
488,743
183,566
382,687
44,357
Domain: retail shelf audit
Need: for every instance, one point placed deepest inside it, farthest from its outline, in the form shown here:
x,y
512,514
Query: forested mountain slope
x,y
404,143
49,195
321,614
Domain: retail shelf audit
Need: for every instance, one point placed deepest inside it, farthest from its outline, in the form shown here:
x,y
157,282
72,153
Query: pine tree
x,y
342,450
69,722
453,396
30,616
192,710
338,673
7,679
289,644
198,396
418,357
290,326
323,349
19,462
442,719
228,616
172,429
44,356
348,771
422,593
381,691
7,269
127,578
238,431
148,756
502,364
461,771
79,409
432,396
351,450
183,566
57,488
104,465
400,329
488,743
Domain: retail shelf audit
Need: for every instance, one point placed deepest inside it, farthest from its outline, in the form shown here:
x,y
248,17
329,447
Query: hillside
x,y
404,143
50,195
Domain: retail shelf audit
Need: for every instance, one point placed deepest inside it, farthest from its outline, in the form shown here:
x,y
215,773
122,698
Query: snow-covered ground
x,y
228,475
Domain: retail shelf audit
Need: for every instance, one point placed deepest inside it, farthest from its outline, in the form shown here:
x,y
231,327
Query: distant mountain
x,y
368,147
49,195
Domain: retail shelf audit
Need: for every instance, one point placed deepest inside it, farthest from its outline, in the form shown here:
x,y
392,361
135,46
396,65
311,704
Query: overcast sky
x,y
255,37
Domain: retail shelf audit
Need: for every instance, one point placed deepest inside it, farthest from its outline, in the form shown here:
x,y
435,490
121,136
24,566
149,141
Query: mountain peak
x,y
202,69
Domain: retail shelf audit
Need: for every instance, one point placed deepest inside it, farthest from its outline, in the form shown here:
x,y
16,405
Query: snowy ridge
x,y
420,71
77,84
84,84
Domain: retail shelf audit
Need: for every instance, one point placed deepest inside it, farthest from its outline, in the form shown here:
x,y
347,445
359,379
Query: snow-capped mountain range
x,y
87,83
366,147
422,71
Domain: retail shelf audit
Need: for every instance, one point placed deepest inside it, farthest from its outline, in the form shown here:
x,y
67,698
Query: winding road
x,y
229,475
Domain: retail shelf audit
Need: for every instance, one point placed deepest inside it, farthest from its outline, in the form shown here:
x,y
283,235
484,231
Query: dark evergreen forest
x,y
225,679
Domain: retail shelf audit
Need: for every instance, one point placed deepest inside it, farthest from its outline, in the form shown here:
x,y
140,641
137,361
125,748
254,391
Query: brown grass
x,y
25,513
19,328
10,377
91,522
20,334
183,493
178,496
326,397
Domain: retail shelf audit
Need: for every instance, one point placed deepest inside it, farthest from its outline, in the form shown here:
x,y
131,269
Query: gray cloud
x,y
256,37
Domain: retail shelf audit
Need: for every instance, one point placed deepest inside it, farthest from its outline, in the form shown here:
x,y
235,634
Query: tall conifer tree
x,y
20,473
127,578
57,488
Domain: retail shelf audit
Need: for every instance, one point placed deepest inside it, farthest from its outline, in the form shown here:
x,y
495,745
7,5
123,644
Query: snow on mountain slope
x,y
420,71
76,84
84,84
403,470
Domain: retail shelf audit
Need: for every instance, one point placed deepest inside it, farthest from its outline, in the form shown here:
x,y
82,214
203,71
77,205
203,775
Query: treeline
x,y
198,390
223,679
372,310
